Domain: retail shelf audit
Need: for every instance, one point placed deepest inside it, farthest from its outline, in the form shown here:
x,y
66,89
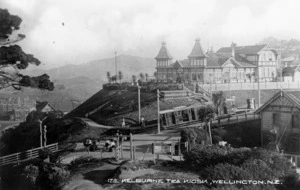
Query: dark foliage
x,y
52,176
244,134
14,58
44,153
41,82
9,23
290,182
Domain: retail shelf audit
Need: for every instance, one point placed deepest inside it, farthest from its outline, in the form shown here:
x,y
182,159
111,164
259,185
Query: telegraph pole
x,y
139,101
41,133
158,116
116,64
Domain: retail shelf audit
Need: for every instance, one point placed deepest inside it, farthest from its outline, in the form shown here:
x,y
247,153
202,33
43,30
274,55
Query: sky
x,y
60,32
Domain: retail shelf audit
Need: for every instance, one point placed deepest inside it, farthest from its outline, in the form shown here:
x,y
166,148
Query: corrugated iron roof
x,y
248,50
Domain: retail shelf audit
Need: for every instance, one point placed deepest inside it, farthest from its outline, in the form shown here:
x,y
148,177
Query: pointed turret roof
x,y
197,50
163,52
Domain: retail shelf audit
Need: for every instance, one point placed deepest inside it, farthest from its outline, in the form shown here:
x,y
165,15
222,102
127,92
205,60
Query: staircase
x,y
185,93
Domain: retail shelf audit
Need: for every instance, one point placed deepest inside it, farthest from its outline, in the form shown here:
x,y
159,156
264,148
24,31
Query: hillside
x,y
96,69
79,82
109,107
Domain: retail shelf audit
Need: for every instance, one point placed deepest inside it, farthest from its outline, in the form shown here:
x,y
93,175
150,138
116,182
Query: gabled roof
x,y
197,50
177,65
163,52
291,95
41,105
248,50
217,60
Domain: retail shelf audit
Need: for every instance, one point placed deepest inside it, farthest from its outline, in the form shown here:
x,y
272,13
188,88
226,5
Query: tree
x,y
120,76
155,75
108,76
13,59
133,78
142,76
219,101
147,76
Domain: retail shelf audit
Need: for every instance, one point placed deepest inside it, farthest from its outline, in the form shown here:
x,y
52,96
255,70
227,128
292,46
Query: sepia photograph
x,y
145,94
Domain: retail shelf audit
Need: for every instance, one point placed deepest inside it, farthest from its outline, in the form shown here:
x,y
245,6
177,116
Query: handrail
x,y
26,155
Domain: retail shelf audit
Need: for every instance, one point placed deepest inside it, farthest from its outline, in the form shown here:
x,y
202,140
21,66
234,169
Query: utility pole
x,y
41,133
116,64
258,83
158,115
45,135
139,101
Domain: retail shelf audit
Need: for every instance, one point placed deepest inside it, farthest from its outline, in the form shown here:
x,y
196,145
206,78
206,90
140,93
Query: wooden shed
x,y
280,122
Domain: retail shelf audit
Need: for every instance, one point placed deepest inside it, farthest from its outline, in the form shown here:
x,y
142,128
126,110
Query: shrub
x,y
44,153
278,163
258,169
225,172
52,176
202,156
30,173
216,139
238,156
290,182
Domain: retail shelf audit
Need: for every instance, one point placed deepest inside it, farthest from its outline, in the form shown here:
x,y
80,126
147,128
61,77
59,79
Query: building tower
x,y
164,58
197,56
163,61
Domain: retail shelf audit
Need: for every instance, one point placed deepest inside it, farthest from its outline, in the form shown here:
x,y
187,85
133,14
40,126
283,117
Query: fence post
x,y
131,154
153,151
122,148
18,159
245,115
31,154
179,151
228,119
134,153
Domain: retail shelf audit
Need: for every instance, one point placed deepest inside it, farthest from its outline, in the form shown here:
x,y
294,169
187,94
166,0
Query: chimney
x,y
233,45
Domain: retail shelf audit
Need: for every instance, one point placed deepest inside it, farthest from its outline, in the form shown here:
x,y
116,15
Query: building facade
x,y
16,109
228,64
280,117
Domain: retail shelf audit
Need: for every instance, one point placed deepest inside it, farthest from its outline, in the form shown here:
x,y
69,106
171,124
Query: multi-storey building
x,y
16,109
228,64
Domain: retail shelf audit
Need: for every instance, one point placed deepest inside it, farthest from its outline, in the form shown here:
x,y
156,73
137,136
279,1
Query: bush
x,y
225,172
290,182
203,156
44,153
279,164
52,176
258,169
30,173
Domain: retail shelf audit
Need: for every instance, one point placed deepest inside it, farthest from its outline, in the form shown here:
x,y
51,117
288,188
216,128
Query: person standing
x,y
143,122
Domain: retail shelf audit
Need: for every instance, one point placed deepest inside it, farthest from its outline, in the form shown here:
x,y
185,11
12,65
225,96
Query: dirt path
x,y
92,179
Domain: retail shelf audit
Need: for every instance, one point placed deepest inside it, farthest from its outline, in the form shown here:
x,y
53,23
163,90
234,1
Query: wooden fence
x,y
19,157
235,118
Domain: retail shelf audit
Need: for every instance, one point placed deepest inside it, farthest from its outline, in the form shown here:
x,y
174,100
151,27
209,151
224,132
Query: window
x,y
276,119
295,121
